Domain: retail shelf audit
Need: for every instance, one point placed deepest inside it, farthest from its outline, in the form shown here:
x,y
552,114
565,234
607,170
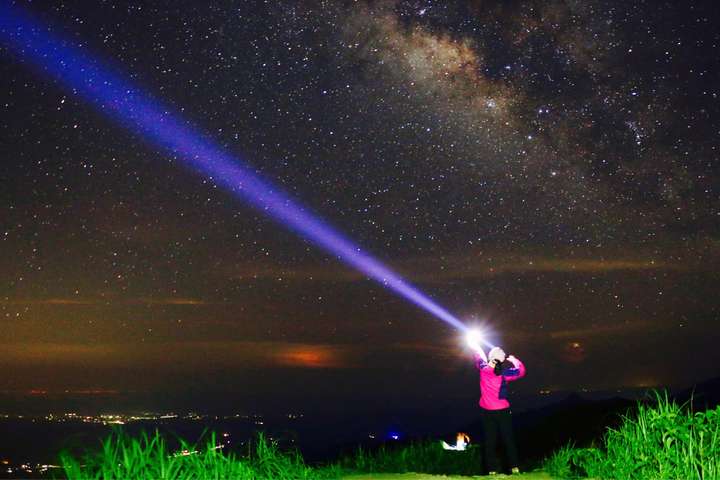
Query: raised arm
x,y
480,358
518,370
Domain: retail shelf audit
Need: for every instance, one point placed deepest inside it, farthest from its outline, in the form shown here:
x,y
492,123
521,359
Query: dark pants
x,y
495,421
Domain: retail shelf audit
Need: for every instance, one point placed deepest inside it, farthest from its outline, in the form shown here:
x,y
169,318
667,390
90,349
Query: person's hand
x,y
511,358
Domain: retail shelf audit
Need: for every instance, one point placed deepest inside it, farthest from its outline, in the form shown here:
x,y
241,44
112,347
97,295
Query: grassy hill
x,y
661,440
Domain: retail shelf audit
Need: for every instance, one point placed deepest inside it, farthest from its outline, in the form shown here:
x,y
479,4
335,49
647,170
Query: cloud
x,y
311,356
168,301
471,265
182,355
208,355
463,269
103,301
607,329
52,353
49,301
75,392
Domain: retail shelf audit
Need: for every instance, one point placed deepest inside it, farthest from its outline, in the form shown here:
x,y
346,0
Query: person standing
x,y
495,374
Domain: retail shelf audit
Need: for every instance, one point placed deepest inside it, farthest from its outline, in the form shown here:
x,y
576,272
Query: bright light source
x,y
474,338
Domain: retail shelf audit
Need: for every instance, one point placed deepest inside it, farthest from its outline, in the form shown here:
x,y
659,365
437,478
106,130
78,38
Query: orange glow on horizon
x,y
309,357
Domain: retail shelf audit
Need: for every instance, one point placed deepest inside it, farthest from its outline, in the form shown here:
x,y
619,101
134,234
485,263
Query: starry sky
x,y
546,168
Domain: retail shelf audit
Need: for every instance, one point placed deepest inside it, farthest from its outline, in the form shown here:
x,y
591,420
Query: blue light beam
x,y
111,93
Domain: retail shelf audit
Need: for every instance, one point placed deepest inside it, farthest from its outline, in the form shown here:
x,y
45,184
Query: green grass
x,y
660,441
425,457
560,463
148,457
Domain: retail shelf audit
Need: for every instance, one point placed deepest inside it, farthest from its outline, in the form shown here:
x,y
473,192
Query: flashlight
x,y
474,338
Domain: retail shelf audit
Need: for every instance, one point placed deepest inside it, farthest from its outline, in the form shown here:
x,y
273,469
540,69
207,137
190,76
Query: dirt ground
x,y
422,476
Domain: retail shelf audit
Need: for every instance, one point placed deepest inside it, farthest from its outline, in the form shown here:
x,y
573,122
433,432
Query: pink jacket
x,y
493,388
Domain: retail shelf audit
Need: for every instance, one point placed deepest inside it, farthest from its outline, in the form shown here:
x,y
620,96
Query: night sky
x,y
546,168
